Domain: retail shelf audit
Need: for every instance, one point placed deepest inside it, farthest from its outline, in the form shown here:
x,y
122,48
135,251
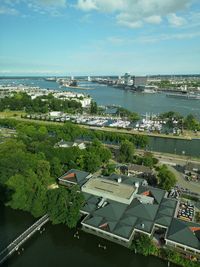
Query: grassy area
x,y
185,196
11,114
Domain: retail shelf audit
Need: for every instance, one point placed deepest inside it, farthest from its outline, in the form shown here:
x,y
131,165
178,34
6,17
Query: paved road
x,y
193,187
172,159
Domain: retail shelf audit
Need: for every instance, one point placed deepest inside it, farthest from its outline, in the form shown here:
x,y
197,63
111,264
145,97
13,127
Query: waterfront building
x,y
128,79
140,81
119,207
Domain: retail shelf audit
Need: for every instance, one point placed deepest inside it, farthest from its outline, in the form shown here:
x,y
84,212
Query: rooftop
x,y
75,177
110,189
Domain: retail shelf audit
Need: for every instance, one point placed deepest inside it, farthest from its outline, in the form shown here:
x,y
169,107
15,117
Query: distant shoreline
x,y
77,87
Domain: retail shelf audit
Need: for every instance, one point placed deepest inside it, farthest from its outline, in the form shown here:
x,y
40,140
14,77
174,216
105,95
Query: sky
x,y
99,37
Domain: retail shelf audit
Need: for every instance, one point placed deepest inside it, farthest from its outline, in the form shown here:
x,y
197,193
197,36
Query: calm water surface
x,y
56,246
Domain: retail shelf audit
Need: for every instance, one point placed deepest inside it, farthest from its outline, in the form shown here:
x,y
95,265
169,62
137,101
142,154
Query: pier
x,y
14,245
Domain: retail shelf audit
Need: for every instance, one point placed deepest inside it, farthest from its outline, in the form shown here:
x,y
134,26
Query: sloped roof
x,y
180,232
166,210
169,202
88,207
123,230
144,211
78,177
144,225
156,193
129,220
94,220
163,220
93,199
113,211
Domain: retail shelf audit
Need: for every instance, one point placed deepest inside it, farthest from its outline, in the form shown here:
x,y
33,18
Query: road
x,y
191,186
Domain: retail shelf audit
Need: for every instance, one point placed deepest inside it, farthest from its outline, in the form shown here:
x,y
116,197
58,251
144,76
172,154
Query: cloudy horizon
x,y
99,37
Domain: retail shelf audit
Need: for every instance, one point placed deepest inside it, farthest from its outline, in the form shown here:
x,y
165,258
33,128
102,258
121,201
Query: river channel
x,y
56,246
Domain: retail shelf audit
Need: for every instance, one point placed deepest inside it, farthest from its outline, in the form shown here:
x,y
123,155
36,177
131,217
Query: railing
x,y
14,245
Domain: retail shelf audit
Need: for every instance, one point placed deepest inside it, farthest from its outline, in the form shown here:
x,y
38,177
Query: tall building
x,y
140,81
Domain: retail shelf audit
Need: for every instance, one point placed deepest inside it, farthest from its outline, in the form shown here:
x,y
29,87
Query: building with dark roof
x,y
74,177
184,235
118,207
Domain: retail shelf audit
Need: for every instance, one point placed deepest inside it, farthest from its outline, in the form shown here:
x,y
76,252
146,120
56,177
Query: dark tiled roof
x,y
169,202
180,232
144,225
79,176
144,211
163,220
123,230
112,210
156,193
166,210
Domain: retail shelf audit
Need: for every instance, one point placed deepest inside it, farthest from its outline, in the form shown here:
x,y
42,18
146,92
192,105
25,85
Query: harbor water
x,y
141,103
137,102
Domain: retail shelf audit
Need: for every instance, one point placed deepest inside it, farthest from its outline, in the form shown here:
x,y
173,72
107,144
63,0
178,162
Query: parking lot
x,y
186,211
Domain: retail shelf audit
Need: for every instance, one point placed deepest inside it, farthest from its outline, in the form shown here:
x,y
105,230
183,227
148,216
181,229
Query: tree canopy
x,y
126,151
166,178
64,205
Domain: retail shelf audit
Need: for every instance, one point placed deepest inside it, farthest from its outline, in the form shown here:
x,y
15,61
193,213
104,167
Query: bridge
x,y
14,245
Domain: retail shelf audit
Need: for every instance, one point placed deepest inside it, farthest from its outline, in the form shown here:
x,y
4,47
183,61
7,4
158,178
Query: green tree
x,y
108,170
166,178
64,205
91,162
144,245
56,167
126,151
28,194
93,108
191,123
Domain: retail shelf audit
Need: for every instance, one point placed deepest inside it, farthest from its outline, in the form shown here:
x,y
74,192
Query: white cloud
x,y
51,7
153,19
86,5
134,13
8,11
58,3
166,37
176,21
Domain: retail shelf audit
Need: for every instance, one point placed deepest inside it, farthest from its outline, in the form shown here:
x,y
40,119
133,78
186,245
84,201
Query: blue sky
x,y
96,37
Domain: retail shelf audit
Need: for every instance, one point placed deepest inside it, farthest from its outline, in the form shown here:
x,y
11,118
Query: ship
x,y
192,96
50,79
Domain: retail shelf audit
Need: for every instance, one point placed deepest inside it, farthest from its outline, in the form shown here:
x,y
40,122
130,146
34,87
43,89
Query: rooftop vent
x,y
119,180
137,185
101,202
